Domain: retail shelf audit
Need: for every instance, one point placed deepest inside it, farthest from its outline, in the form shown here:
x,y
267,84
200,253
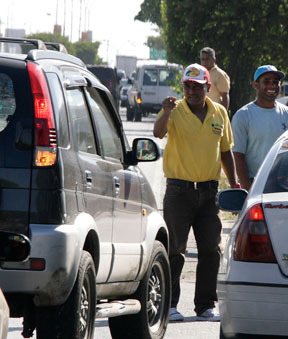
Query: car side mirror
x,y
231,200
14,246
143,150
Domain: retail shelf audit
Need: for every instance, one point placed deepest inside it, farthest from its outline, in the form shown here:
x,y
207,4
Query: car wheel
x,y
75,318
129,113
154,294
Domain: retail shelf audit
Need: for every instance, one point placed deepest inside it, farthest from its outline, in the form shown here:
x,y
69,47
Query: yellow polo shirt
x,y
193,150
220,84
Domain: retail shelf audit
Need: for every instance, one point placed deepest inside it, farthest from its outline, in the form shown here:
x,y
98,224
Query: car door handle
x,y
116,181
88,176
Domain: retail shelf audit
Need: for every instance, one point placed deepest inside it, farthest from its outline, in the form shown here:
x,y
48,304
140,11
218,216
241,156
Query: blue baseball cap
x,y
268,69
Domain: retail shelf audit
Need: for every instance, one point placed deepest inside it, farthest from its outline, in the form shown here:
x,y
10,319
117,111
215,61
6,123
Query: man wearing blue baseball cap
x,y
258,124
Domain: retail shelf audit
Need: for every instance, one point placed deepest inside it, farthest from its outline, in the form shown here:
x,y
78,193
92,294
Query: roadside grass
x,y
224,184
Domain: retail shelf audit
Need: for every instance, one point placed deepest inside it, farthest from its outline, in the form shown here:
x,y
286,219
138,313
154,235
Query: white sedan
x,y
253,277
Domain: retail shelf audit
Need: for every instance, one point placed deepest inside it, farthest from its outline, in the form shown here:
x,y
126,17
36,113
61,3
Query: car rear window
x,y
16,115
167,77
7,100
278,177
150,77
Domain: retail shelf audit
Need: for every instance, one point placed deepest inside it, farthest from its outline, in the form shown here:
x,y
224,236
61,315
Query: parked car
x,y
253,277
13,247
151,85
283,100
109,78
70,183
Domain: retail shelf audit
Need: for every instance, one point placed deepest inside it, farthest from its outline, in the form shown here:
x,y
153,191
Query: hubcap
x,y
84,310
156,291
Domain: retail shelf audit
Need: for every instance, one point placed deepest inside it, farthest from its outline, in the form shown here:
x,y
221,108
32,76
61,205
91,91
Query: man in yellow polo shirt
x,y
220,81
199,141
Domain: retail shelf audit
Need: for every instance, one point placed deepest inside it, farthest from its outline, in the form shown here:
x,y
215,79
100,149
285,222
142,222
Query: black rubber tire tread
x,y
138,325
63,322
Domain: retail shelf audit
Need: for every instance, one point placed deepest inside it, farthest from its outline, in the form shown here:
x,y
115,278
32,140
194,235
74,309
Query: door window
x,y
81,121
109,137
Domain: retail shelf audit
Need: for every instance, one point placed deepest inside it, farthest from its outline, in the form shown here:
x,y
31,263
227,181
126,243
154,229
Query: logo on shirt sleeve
x,y
217,129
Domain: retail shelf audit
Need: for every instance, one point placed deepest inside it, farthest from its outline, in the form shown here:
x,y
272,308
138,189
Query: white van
x,y
150,87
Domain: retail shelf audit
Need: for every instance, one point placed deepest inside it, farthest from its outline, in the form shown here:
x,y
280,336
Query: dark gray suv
x,y
70,183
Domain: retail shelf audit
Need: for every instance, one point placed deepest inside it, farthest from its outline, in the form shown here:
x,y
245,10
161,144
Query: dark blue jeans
x,y
185,208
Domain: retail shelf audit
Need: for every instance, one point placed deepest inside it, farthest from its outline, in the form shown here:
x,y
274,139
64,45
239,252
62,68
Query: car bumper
x,y
52,285
257,309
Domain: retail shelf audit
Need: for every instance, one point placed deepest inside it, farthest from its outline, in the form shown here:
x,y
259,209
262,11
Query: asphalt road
x,y
189,328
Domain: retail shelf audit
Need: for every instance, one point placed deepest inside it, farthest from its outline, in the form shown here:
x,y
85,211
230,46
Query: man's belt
x,y
194,185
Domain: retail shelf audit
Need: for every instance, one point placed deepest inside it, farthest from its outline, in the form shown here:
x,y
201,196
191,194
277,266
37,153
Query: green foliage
x,y
176,83
87,51
245,34
156,42
150,12
49,37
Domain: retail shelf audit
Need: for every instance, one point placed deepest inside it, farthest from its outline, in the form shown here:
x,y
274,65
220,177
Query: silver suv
x,y
70,183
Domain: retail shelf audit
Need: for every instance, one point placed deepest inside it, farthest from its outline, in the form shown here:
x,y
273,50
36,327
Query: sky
x,y
111,22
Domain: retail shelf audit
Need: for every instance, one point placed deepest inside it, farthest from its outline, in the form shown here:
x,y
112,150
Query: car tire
x,y
75,318
129,113
154,294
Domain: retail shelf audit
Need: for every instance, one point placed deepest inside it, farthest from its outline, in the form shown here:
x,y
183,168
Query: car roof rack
x,y
35,55
42,52
39,44
56,46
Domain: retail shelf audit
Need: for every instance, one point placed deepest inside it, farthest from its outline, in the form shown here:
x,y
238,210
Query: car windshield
x,y
166,77
278,178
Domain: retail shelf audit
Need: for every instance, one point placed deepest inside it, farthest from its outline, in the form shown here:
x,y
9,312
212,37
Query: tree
x,y
245,34
156,42
87,52
150,12
49,37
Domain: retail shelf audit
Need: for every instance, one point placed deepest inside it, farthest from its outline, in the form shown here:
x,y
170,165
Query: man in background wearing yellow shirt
x,y
199,141
220,81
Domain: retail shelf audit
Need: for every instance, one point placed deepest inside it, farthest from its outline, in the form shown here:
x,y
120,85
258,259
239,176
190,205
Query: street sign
x,y
156,54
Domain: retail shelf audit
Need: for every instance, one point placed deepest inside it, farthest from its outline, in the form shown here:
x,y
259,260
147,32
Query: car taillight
x,y
252,241
139,99
44,125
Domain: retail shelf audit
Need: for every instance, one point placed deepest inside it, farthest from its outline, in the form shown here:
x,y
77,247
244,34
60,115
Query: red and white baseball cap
x,y
196,73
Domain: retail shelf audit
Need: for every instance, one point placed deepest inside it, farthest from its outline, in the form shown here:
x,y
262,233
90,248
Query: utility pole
x,y
71,20
64,21
80,19
56,24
